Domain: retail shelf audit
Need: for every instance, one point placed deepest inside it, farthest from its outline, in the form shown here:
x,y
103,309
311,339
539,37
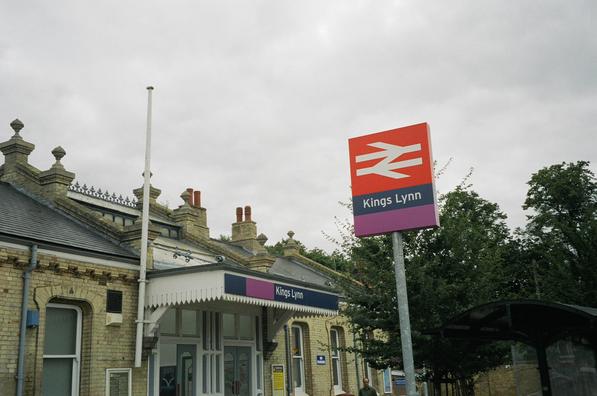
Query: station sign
x,y
266,290
393,186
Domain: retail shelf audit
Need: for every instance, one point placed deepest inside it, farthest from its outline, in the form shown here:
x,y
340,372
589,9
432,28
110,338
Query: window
x,y
238,327
114,301
118,382
336,360
229,326
245,327
180,322
189,322
62,350
168,322
258,356
298,360
211,359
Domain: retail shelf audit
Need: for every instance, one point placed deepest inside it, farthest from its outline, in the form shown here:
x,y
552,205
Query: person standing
x,y
367,390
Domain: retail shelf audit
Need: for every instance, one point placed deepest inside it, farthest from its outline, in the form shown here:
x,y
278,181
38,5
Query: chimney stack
x,y
244,232
191,216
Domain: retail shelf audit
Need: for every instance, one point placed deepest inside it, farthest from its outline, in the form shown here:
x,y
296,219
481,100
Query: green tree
x,y
561,234
449,269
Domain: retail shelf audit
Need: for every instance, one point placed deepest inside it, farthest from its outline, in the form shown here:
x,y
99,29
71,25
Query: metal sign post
x,y
404,316
393,189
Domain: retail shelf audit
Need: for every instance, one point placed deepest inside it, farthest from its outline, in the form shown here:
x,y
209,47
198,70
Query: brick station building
x,y
221,317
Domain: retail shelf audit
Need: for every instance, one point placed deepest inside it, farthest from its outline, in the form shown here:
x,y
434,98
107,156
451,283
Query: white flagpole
x,y
144,235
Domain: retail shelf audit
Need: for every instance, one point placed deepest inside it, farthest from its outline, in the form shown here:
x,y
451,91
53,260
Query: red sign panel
x,y
392,181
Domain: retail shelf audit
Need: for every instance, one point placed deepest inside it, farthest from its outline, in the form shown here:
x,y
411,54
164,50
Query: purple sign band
x,y
260,289
399,219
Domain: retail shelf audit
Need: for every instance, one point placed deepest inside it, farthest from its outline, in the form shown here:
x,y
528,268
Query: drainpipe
x,y
22,334
144,237
289,384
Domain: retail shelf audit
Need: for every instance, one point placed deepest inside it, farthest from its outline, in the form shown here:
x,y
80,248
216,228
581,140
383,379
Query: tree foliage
x,y
561,234
449,269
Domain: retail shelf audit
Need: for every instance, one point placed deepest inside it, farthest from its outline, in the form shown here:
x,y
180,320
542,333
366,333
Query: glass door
x,y
237,371
185,372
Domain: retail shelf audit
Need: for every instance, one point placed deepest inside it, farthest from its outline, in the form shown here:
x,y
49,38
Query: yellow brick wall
x,y
318,378
75,282
502,381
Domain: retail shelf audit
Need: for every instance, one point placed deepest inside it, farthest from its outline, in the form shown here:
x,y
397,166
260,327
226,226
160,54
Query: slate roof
x,y
294,270
23,217
229,246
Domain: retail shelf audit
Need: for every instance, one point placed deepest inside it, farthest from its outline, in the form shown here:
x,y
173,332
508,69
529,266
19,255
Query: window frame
x,y
76,370
129,371
335,356
300,357
210,370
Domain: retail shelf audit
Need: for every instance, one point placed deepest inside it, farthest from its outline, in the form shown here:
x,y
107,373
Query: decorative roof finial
x,y
186,196
58,153
261,238
16,126
291,247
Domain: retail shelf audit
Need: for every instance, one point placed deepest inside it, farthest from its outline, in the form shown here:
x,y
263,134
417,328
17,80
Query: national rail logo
x,y
392,181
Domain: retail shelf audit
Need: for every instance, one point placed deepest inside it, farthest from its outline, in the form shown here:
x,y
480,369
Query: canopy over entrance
x,y
534,322
230,283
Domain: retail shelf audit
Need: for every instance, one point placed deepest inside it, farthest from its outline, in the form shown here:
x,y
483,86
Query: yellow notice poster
x,y
278,379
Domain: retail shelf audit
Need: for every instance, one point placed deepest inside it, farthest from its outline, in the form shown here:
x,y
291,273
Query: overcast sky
x,y
255,100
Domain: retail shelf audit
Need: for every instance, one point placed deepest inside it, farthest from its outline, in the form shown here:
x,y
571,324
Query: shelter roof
x,y
528,321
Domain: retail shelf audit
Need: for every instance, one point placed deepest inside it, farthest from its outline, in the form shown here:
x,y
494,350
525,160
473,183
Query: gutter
x,y
22,332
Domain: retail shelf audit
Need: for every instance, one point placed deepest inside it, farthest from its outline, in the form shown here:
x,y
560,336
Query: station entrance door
x,y
237,371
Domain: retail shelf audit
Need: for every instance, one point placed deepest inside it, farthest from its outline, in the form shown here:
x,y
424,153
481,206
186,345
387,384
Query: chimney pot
x,y
190,190
239,215
197,199
248,213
